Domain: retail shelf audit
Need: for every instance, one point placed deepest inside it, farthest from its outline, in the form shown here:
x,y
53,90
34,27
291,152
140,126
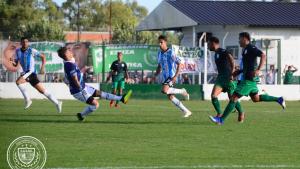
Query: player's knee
x,y
170,97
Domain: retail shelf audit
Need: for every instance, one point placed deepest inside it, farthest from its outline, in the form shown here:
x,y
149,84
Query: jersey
x,y
168,62
71,69
288,77
27,59
223,64
119,69
250,54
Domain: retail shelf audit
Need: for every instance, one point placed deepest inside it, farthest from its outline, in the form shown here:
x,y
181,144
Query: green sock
x,y
229,108
267,98
117,102
238,107
215,102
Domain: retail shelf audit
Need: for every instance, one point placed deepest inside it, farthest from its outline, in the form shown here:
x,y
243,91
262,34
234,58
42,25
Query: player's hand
x,y
174,79
256,73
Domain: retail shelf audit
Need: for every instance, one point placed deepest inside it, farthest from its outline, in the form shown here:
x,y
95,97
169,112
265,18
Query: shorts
x,y
227,86
86,95
246,88
32,79
168,82
118,84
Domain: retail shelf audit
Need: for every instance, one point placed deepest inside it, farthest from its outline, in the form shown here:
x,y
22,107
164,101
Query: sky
x,y
149,4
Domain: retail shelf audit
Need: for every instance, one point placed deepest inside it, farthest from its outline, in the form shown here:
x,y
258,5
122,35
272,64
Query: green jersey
x,y
223,64
288,77
118,70
250,54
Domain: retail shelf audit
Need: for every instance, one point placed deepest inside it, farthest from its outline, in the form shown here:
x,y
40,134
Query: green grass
x,y
153,133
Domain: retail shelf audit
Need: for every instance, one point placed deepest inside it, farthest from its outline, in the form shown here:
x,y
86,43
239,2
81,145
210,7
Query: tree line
x,y
44,20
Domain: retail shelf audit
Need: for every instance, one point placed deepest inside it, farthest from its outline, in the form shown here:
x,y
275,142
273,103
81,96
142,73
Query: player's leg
x,y
114,91
39,87
230,90
214,99
21,85
108,96
178,103
121,86
171,90
93,105
267,98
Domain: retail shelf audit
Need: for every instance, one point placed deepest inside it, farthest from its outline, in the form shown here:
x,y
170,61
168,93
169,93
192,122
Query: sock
x,y
172,90
89,109
117,102
109,96
215,102
23,91
267,98
50,97
229,108
238,107
178,104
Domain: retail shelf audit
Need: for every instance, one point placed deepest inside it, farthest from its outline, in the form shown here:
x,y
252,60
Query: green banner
x,y
137,57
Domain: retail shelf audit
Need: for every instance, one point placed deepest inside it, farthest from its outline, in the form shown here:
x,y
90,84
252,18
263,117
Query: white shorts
x,y
85,94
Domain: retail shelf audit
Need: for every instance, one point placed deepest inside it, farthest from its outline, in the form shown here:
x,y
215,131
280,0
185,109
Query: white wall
x,y
59,90
289,92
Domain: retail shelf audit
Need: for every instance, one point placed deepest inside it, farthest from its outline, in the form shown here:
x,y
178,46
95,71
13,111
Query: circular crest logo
x,y
26,152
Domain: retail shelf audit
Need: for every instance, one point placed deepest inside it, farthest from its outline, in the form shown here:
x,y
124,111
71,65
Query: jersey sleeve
x,y
175,58
17,57
113,67
256,51
125,67
36,53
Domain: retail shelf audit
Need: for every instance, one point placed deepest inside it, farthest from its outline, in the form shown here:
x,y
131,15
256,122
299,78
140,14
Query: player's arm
x,y
261,64
109,76
232,65
76,81
179,65
43,58
14,62
295,69
157,72
285,68
126,72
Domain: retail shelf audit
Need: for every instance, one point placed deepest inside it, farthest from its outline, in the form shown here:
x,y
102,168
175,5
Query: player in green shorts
x,y
224,83
119,74
248,87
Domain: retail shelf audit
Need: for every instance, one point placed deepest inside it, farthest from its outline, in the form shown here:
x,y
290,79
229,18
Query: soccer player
x,y
170,66
288,77
248,85
119,73
26,57
225,82
79,89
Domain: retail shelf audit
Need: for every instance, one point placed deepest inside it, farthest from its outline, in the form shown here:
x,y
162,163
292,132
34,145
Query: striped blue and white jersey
x,y
168,62
71,69
27,59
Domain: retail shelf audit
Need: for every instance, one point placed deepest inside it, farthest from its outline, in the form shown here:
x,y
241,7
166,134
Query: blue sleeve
x,y
175,58
256,51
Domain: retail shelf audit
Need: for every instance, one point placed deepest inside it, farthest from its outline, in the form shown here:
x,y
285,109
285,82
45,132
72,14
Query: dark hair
x,y
23,38
61,52
214,40
163,37
245,35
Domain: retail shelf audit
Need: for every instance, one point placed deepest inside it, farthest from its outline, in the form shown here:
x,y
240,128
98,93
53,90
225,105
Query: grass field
x,y
152,134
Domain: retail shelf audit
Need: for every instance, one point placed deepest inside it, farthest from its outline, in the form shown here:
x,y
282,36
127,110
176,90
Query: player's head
x,y
25,42
163,42
120,56
65,53
244,39
289,67
213,43
272,67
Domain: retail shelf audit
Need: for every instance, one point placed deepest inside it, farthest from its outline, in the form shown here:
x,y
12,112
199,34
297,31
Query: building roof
x,y
231,13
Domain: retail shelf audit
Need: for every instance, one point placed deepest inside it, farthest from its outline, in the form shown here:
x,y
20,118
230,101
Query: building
x,y
274,26
93,37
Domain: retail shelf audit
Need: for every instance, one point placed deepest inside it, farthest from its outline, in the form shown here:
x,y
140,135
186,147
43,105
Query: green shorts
x,y
246,88
227,86
118,84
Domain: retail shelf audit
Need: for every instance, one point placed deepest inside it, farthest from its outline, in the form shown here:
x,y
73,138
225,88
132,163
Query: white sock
x,y
172,90
89,109
23,91
178,104
109,96
51,97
